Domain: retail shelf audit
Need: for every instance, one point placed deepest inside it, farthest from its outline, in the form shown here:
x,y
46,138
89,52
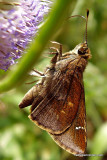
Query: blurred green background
x,y
20,139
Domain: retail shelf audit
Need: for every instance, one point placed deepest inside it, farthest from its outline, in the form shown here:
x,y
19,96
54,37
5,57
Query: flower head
x,y
17,28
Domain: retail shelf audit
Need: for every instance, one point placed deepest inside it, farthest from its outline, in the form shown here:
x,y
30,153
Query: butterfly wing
x,y
59,107
74,139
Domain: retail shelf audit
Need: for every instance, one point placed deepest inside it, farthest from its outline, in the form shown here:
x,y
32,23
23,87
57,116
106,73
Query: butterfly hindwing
x,y
74,139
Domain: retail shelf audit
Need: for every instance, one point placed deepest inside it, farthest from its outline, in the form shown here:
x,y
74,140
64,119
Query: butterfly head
x,y
83,50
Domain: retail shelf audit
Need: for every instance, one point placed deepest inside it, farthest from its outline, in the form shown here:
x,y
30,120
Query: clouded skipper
x,y
58,101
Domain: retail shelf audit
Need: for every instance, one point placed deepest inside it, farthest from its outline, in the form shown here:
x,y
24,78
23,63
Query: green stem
x,y
57,16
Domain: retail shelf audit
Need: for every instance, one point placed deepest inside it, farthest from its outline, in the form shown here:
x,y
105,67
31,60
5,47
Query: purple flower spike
x,y
18,27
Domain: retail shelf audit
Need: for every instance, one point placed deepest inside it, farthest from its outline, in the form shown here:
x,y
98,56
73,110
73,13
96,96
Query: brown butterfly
x,y
58,101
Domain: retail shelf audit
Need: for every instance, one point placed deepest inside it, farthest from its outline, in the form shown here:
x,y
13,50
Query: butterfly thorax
x,y
72,61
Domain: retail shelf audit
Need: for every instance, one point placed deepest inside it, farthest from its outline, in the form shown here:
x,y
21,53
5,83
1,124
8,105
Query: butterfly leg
x,y
57,51
58,47
35,73
38,73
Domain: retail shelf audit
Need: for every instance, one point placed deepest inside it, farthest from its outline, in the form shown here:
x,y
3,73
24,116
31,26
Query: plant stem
x,y
57,16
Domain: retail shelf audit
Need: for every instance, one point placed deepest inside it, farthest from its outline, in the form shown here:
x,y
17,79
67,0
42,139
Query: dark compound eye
x,y
82,51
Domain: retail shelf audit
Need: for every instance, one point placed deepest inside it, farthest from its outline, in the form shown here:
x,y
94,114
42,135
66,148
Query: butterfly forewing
x,y
58,109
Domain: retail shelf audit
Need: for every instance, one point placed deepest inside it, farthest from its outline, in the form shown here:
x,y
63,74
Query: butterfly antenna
x,y
86,25
86,19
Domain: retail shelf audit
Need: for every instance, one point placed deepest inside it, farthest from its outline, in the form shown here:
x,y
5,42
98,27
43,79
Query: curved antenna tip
x,y
87,13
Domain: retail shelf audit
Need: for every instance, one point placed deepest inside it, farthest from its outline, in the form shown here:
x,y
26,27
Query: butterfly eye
x,y
81,52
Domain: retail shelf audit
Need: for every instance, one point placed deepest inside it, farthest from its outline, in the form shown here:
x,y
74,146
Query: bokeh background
x,y
20,139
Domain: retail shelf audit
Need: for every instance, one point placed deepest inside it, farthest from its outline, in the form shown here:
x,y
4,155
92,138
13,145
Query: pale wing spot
x,y
70,104
85,125
57,117
79,127
62,111
85,139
